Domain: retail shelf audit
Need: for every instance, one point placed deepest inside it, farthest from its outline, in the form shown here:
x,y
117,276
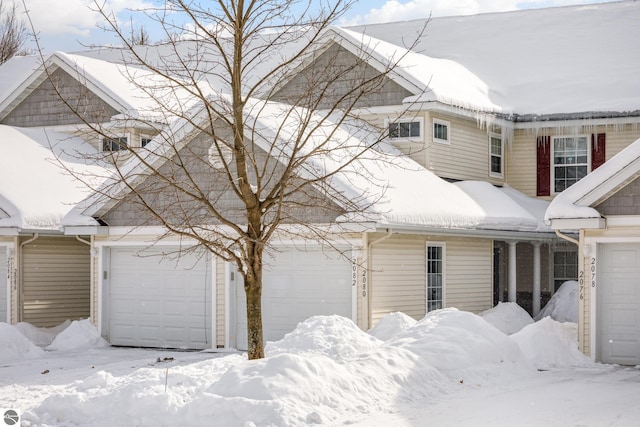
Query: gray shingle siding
x,y
43,107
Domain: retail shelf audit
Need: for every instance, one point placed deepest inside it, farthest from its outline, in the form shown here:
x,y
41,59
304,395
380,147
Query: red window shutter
x,y
598,146
543,161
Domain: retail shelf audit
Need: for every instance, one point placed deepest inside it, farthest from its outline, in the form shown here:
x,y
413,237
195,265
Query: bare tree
x,y
258,143
139,36
13,32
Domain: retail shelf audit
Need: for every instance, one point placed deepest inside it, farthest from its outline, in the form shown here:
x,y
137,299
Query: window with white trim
x,y
441,130
115,143
435,276
145,140
570,161
565,265
405,129
496,156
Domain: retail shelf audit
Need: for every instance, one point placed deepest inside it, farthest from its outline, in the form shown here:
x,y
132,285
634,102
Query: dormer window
x,y
441,131
116,143
405,129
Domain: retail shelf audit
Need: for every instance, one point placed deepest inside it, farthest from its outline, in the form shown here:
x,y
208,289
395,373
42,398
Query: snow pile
x,y
325,335
14,345
508,317
463,346
563,305
550,344
310,377
80,334
325,371
41,337
392,324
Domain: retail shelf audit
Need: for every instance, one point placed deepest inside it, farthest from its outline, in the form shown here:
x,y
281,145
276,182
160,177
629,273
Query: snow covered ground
x,y
450,368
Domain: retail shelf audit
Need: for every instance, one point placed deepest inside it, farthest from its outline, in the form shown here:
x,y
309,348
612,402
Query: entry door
x,y
297,284
619,304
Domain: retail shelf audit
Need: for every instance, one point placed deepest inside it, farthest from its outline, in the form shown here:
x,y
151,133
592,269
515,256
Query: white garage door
x,y
297,285
619,304
159,302
3,284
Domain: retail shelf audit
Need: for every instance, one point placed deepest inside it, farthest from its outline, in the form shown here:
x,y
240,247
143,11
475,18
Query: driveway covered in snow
x,y
451,368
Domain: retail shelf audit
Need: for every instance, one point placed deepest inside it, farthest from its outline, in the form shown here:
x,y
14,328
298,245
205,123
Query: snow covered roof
x,y
395,190
575,61
430,78
576,201
563,60
36,192
134,92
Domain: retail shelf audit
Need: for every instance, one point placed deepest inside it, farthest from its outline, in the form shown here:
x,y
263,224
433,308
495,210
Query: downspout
x,y
20,274
80,239
567,238
369,274
92,290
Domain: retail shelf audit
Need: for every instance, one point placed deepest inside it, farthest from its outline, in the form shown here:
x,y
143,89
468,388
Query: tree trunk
x,y
253,292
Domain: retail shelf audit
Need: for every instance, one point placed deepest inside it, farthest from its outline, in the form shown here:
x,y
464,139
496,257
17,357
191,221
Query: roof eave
x,y
578,223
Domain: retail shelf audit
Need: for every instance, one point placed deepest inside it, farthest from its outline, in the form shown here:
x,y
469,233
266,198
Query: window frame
x,y
493,174
435,121
145,140
442,273
113,138
398,121
564,249
553,159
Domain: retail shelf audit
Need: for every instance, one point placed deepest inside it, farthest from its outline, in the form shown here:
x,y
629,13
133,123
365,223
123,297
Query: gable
x,y
625,201
43,106
341,68
311,206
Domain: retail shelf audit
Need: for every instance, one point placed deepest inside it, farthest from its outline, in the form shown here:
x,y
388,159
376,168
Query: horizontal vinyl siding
x,y
220,302
55,282
521,163
398,278
521,154
469,277
3,284
466,157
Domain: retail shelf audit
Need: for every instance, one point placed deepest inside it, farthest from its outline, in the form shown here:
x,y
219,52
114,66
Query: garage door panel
x,y
159,302
297,285
619,303
623,351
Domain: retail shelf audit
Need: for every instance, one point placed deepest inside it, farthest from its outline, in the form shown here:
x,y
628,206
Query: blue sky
x,y
68,25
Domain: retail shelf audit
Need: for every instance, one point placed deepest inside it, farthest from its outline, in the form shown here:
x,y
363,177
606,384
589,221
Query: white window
x,y
145,140
405,129
570,161
115,143
435,276
565,265
441,130
496,156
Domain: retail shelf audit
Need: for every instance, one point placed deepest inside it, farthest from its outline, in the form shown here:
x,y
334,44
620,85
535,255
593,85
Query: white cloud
x,y
74,17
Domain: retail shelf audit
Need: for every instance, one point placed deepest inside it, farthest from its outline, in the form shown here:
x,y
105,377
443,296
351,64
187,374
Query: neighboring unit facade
x,y
142,287
604,209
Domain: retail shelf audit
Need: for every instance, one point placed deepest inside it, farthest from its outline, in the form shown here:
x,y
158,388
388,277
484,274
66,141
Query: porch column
x,y
536,278
512,272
